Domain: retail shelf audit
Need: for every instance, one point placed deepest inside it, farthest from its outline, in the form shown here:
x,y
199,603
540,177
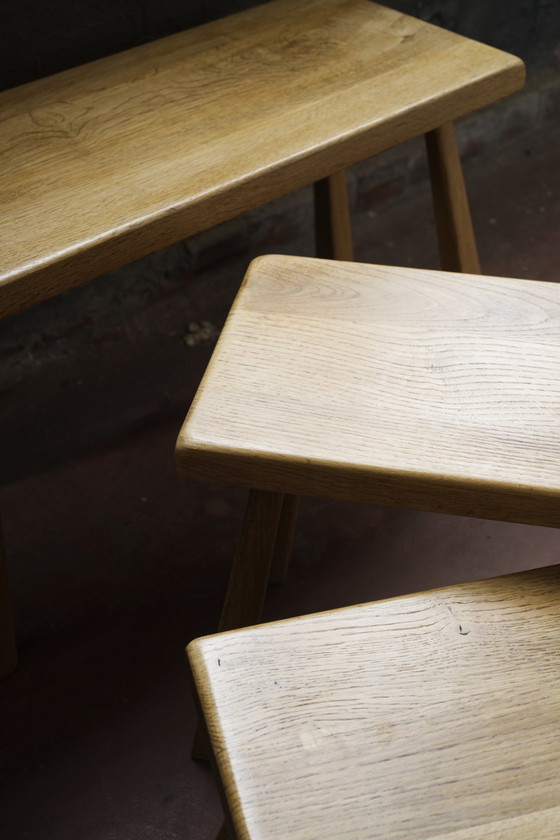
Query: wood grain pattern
x,y
108,162
433,716
411,388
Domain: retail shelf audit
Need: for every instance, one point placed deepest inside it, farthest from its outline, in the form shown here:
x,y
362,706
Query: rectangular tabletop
x,y
393,386
430,717
107,162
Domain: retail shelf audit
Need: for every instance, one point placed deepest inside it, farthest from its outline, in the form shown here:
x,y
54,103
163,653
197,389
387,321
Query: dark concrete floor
x,y
115,564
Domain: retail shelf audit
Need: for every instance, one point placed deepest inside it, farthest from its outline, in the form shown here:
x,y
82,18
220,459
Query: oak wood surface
x,y
110,161
395,386
429,716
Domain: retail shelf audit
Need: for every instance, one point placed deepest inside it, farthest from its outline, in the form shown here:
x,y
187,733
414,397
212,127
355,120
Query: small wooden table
x,y
433,716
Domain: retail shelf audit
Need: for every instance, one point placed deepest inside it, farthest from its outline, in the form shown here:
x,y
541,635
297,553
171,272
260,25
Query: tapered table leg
x,y
457,244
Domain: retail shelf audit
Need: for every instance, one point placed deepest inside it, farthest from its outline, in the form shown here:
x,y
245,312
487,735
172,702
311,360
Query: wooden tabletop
x,y
108,162
433,716
419,389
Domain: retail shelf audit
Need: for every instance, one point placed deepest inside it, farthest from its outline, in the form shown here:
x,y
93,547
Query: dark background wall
x,y
40,37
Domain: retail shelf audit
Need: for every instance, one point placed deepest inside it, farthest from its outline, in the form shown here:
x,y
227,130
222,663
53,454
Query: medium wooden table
x,y
392,386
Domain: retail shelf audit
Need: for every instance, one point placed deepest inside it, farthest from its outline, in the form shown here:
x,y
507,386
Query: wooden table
x,y
108,162
430,717
392,386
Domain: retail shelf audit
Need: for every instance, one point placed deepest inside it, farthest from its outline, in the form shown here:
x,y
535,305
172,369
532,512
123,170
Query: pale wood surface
x,y
457,244
108,162
418,389
430,716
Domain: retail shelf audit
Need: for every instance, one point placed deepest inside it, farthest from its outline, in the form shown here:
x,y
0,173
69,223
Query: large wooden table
x,y
108,162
